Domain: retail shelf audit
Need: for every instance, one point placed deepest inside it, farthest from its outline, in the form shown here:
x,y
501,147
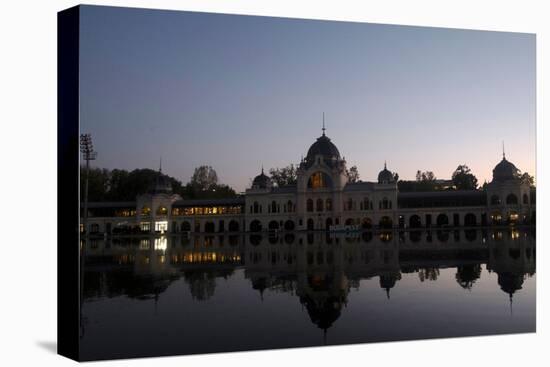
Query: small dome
x,y
505,170
261,181
323,147
385,176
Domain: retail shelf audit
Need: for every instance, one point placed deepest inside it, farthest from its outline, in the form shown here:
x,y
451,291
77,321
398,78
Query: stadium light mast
x,y
88,154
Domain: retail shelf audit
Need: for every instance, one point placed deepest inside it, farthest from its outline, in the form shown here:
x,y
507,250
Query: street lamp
x,y
87,150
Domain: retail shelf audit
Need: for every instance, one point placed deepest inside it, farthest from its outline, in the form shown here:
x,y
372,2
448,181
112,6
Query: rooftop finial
x,y
262,169
160,165
323,124
503,151
385,167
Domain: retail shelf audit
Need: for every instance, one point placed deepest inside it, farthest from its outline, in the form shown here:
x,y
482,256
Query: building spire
x,y
503,151
323,124
160,165
262,169
385,166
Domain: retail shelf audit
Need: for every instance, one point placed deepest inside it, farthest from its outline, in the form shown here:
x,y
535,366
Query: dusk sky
x,y
236,92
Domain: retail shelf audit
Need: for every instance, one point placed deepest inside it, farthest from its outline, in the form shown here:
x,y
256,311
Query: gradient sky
x,y
236,92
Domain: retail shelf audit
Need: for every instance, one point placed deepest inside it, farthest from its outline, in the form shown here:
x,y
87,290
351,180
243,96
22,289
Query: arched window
x,y
385,203
496,218
273,225
309,205
442,220
233,226
273,207
525,199
255,226
366,223
185,226
495,200
414,221
470,220
348,204
319,180
511,199
145,211
319,205
385,222
94,228
209,227
328,205
289,225
366,204
256,207
162,210
289,206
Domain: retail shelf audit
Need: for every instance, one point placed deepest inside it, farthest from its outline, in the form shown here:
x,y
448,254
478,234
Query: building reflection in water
x,y
318,269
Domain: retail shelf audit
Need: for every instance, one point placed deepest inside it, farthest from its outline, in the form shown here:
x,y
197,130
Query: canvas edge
x,y
68,279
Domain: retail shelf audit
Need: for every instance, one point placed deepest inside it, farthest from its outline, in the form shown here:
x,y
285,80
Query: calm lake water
x,y
146,296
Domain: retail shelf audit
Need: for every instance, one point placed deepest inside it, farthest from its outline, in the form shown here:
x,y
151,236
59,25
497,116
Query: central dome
x,y
505,170
325,148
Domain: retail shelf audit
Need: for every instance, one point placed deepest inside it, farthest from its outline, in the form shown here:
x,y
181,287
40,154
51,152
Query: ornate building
x,y
322,199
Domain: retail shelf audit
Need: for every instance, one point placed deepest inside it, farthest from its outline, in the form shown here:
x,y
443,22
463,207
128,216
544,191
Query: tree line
x,y
123,185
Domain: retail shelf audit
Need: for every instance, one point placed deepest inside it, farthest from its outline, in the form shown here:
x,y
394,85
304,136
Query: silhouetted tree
x,y
98,183
484,185
425,181
202,284
463,178
284,176
190,191
426,176
137,182
353,174
204,185
204,178
527,178
121,185
466,275
428,274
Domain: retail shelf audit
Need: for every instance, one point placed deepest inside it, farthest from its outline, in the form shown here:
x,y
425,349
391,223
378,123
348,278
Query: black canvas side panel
x,y
68,309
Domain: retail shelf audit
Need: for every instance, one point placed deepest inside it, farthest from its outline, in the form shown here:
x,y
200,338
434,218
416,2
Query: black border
x,y
68,309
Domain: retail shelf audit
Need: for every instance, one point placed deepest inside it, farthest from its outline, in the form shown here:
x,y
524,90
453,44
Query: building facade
x,y
322,199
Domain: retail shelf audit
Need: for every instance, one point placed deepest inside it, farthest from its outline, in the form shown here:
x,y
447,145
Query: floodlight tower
x,y
88,153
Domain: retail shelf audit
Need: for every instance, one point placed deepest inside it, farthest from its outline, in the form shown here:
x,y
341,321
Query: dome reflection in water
x,y
176,295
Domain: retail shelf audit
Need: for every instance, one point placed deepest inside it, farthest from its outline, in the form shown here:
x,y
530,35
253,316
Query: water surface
x,y
146,296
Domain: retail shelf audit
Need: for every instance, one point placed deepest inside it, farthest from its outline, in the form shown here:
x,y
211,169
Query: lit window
x,y
145,211
319,180
161,226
